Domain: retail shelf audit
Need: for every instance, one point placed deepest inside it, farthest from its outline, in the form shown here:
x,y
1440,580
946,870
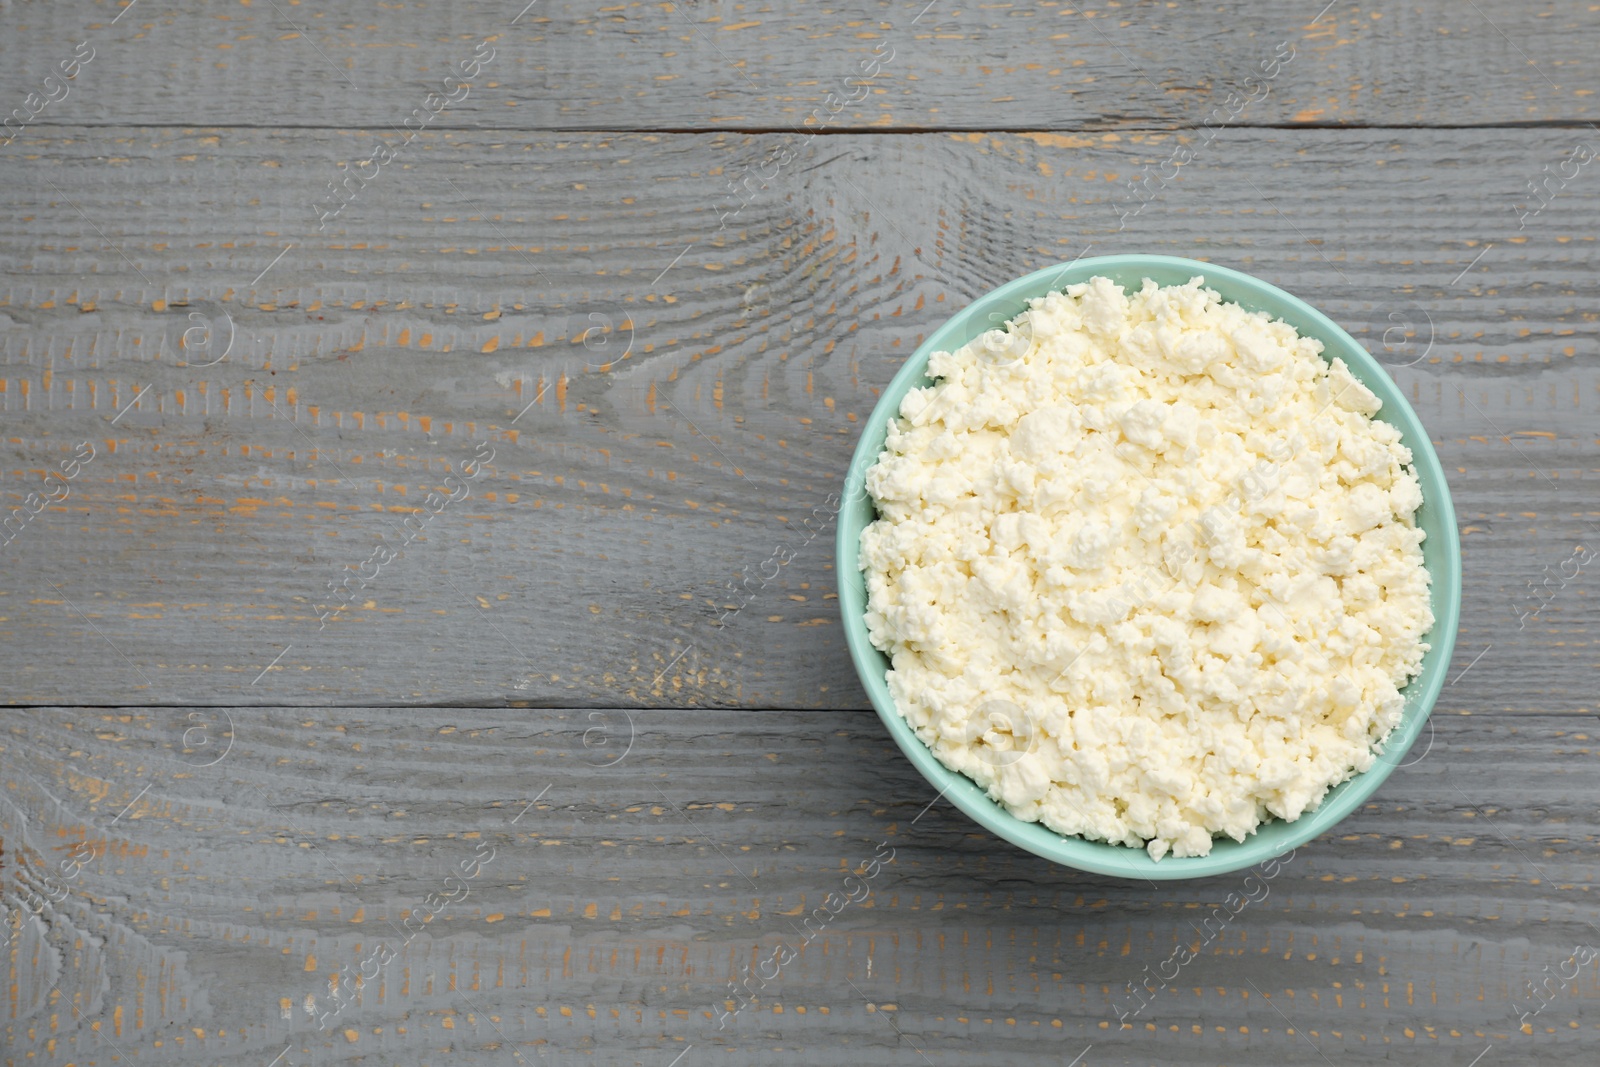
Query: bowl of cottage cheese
x,y
1148,567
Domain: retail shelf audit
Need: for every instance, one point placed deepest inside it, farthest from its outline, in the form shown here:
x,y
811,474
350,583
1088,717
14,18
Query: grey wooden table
x,y
546,323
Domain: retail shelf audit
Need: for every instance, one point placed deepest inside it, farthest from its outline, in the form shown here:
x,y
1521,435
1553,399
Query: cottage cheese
x,y
1146,567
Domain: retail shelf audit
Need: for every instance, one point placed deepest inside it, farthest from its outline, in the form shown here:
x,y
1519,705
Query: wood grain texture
x,y
615,264
668,402
762,65
615,910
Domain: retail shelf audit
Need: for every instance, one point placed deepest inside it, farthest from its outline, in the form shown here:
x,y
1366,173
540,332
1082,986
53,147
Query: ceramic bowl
x,y
1441,554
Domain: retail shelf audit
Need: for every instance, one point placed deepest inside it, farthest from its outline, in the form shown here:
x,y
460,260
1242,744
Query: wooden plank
x,y
711,414
762,65
211,892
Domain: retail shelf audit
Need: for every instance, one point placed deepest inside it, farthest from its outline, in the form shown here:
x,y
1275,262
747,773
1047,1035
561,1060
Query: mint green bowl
x,y
1441,554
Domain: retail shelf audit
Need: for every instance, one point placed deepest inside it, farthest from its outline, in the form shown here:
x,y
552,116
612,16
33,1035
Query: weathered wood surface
x,y
671,375
759,65
614,911
710,415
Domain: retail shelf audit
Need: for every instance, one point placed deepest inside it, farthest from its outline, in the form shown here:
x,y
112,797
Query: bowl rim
x,y
1100,857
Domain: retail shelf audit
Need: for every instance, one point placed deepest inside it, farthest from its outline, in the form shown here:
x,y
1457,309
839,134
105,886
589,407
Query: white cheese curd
x,y
1147,567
